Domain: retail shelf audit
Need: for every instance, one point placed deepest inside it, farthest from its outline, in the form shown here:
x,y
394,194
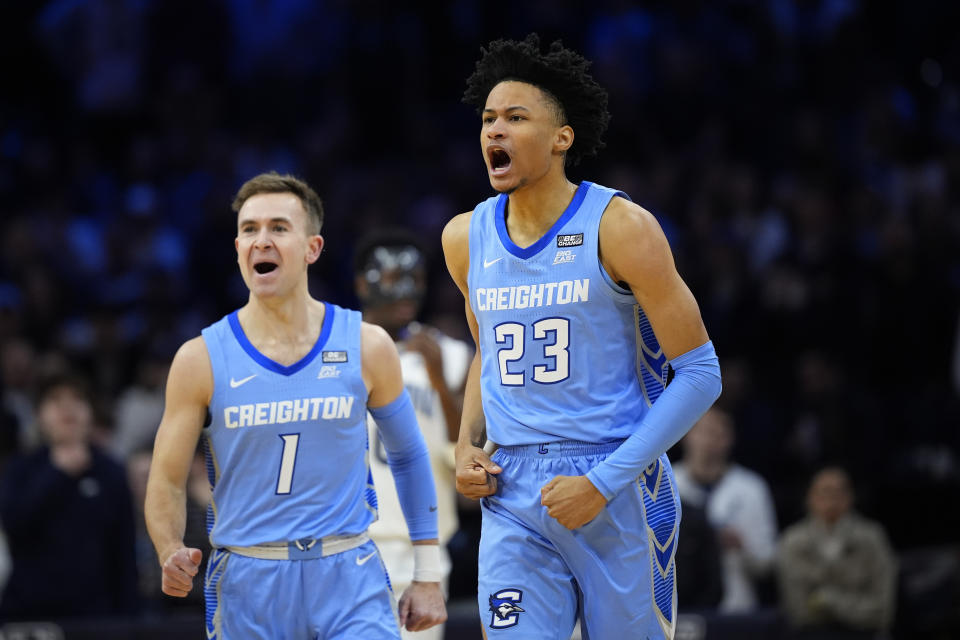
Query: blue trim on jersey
x,y
662,518
695,387
273,365
536,247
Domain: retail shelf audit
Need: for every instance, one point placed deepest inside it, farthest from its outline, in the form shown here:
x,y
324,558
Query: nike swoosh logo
x,y
236,383
487,263
432,509
364,559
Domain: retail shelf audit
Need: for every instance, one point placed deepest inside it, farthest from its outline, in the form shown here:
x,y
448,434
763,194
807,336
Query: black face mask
x,y
392,274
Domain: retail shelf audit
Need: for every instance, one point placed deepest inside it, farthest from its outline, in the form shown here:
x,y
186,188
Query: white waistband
x,y
302,549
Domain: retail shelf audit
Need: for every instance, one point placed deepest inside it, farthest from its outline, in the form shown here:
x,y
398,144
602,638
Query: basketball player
x,y
391,282
579,316
279,390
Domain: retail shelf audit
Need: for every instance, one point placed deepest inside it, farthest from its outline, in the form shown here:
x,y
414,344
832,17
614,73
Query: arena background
x,y
803,158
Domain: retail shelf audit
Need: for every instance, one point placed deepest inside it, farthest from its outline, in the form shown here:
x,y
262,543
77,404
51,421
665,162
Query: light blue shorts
x,y
340,596
616,573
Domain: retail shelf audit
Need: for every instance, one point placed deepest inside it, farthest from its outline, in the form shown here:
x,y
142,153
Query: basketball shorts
x,y
337,597
615,574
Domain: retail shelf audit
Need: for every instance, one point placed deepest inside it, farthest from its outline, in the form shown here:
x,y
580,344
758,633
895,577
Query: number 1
x,y
287,462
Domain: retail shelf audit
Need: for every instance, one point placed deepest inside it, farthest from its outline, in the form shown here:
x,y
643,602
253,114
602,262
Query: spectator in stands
x,y
837,571
139,407
67,514
738,505
18,364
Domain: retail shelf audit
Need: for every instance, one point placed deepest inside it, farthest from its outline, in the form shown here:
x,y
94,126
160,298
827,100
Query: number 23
x,y
557,352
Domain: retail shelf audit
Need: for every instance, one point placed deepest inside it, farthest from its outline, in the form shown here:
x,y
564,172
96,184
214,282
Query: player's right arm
x,y
474,467
188,393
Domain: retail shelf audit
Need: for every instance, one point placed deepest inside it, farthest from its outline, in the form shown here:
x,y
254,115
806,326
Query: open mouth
x,y
264,267
499,161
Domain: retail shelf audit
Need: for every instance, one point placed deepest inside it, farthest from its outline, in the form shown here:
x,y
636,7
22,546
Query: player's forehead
x,y
264,207
516,94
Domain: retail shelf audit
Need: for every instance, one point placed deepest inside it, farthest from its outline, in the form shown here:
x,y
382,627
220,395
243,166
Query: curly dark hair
x,y
560,73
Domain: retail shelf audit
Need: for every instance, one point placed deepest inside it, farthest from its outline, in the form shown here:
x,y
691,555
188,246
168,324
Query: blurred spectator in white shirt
x,y
738,505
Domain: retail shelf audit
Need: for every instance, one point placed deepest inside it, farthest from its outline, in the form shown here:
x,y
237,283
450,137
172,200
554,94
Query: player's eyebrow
x,y
512,108
244,221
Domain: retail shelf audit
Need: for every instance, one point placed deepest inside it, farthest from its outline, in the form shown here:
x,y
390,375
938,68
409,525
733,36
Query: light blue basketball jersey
x,y
287,445
566,353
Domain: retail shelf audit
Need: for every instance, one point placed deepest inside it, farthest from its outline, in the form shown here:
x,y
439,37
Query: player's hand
x,y
572,501
178,571
476,473
421,606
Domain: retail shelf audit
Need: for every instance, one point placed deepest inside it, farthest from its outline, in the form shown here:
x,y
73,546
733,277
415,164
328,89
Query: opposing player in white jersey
x,y
391,282
579,316
279,390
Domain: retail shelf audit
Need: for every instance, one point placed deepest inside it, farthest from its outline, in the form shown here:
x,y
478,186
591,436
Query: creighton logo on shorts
x,y
503,604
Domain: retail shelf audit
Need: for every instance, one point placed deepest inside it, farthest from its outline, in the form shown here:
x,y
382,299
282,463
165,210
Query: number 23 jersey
x,y
566,353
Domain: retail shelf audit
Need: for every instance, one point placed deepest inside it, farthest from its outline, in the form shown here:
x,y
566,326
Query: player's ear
x,y
314,248
564,139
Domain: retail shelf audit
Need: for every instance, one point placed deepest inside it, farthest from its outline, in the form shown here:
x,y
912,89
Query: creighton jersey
x,y
566,353
286,445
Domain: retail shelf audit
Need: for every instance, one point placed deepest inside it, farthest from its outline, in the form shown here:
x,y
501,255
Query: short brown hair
x,y
65,379
273,182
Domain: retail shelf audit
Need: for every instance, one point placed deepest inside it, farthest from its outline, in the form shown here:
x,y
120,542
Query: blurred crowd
x,y
803,157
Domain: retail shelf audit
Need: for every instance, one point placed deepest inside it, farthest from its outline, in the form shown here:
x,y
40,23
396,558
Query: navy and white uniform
x,y
292,496
390,531
569,367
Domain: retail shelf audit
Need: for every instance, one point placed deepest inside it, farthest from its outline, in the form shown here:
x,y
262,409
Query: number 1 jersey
x,y
566,353
287,445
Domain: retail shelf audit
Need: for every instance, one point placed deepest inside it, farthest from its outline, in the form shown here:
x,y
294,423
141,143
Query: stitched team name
x,y
526,296
284,411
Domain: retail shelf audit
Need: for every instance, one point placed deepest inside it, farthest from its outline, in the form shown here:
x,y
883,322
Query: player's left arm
x,y
635,253
421,605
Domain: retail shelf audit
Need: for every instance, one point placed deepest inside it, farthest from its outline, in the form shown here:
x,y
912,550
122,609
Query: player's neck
x,y
534,207
283,319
